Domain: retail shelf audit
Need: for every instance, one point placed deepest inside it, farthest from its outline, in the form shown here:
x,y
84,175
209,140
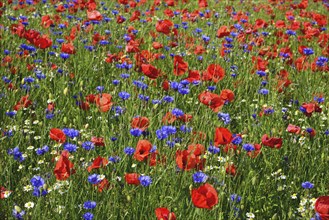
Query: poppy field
x,y
164,109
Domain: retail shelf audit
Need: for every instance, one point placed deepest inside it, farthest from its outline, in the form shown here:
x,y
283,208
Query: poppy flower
x,y
272,142
64,167
43,42
205,196
24,102
222,136
223,31
164,26
231,169
164,214
140,122
213,73
98,141
293,129
57,135
132,178
103,102
322,207
4,192
103,184
68,48
212,100
150,71
142,150
169,118
191,158
256,152
227,95
94,15
180,66
98,163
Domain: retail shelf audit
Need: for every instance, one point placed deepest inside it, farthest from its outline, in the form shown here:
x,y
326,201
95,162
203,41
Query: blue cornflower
x,y
248,147
124,95
177,112
237,139
94,178
321,61
71,132
43,150
185,129
37,181
263,91
100,88
161,134
213,149
235,198
145,180
89,204
70,147
11,113
168,99
170,144
64,56
199,177
225,117
153,149
211,88
291,32
307,185
136,132
88,145
88,216
114,159
261,73
308,51
115,82
326,132
17,154
18,213
129,151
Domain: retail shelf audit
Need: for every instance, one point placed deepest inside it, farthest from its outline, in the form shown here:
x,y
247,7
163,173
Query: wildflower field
x,y
164,109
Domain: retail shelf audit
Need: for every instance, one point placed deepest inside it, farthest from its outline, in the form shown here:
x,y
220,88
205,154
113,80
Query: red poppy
x,y
104,184
57,135
157,45
213,73
132,178
94,15
64,167
272,142
98,141
227,95
180,66
205,196
3,191
68,48
142,150
140,122
256,152
310,108
191,158
322,207
24,102
212,100
150,71
43,42
164,214
231,169
203,3
223,31
293,129
164,26
222,136
169,118
103,102
98,163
